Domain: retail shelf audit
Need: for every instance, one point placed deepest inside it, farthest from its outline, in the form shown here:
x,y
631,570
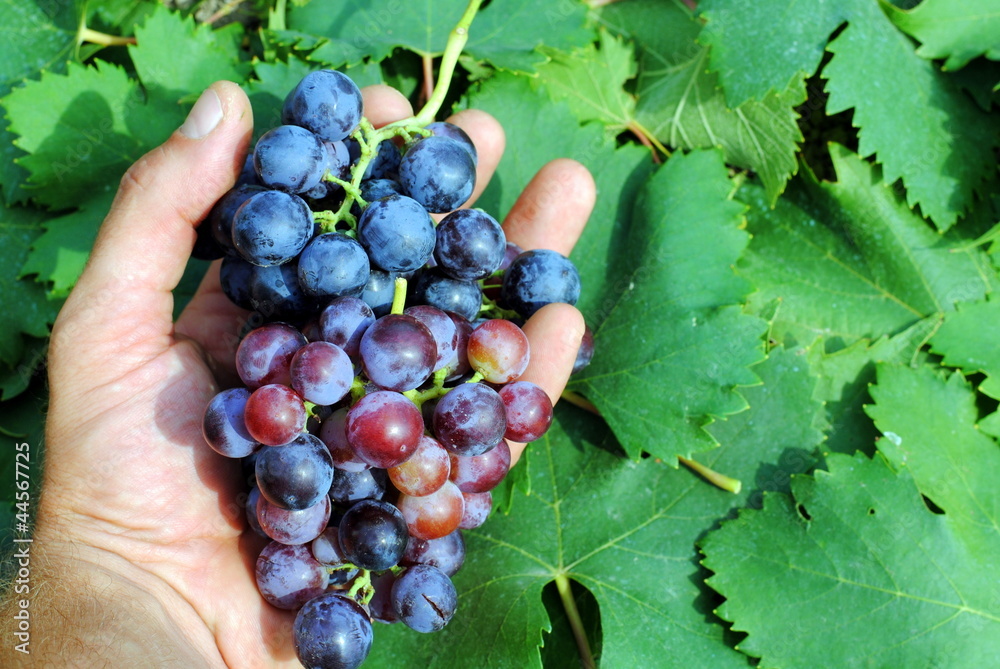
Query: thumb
x,y
145,241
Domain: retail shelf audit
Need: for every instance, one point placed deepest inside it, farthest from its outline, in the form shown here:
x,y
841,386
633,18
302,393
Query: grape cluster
x,y
374,419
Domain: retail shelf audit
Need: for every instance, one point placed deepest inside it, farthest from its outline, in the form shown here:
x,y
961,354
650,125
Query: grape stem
x,y
722,481
94,37
398,296
575,622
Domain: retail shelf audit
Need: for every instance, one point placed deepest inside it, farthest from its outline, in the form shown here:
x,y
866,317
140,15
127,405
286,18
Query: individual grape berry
x,y
499,351
271,228
344,321
275,292
293,526
586,352
332,632
491,286
459,364
384,428
326,549
274,414
439,173
373,535
379,291
424,598
398,352
470,245
265,355
424,472
380,605
205,247
528,410
385,164
435,515
224,427
251,512
464,298
447,553
289,576
333,265
296,475
290,159
220,219
333,433
477,509
322,373
397,233
452,131
235,275
326,102
470,419
376,189
537,278
442,329
351,487
481,473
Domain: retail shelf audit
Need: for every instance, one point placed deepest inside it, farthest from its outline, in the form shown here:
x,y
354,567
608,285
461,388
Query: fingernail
x,y
204,116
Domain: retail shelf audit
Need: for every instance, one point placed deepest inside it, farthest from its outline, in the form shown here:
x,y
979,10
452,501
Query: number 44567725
x,y
22,482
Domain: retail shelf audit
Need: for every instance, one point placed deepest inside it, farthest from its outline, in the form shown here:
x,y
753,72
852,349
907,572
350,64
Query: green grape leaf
x,y
675,302
23,302
956,31
967,339
124,15
58,256
635,554
591,80
680,103
849,260
374,29
15,380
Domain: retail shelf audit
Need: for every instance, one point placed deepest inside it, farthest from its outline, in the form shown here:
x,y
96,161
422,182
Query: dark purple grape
x,y
334,434
205,246
424,598
271,228
326,549
251,512
459,364
464,298
224,212
224,427
439,173
537,278
470,419
434,515
470,245
447,553
326,102
477,509
332,632
289,576
296,475
351,487
265,354
379,291
381,603
235,275
397,233
398,352
452,131
274,414
333,265
481,473
373,535
344,321
384,428
275,292
586,352
528,410
442,329
293,526
289,158
322,373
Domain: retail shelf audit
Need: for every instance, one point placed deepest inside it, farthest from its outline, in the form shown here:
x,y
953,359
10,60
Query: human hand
x,y
134,504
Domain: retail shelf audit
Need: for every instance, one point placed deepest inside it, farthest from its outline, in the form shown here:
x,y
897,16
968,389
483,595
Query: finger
x,y
488,137
553,209
123,296
554,333
384,104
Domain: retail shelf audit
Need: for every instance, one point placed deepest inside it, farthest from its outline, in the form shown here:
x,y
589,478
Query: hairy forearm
x,y
82,613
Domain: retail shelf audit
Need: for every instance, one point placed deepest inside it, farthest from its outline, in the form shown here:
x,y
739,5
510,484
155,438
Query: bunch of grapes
x,y
380,394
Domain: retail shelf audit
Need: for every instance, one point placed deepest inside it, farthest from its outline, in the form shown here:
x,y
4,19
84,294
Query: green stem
x,y
575,622
276,17
398,296
475,378
94,37
727,483
580,401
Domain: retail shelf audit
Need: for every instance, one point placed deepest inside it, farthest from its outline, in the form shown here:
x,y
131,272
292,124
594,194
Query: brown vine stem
x,y
428,63
647,139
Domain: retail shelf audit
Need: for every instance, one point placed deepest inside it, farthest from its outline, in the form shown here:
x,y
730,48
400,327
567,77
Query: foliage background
x,y
789,273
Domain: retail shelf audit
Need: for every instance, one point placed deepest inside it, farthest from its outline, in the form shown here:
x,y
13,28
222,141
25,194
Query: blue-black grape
x,y
397,233
289,158
332,632
439,173
235,276
205,246
470,245
296,475
333,265
326,102
275,292
376,189
351,487
424,598
537,278
379,291
224,212
464,298
271,228
373,535
452,131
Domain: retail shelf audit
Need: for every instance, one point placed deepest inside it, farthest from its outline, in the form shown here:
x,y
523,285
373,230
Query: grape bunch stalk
x,y
380,395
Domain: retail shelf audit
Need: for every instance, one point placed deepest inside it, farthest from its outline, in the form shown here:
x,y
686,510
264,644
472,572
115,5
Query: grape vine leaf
x,y
374,29
956,31
966,339
675,302
636,556
26,310
859,541
849,260
680,103
37,37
